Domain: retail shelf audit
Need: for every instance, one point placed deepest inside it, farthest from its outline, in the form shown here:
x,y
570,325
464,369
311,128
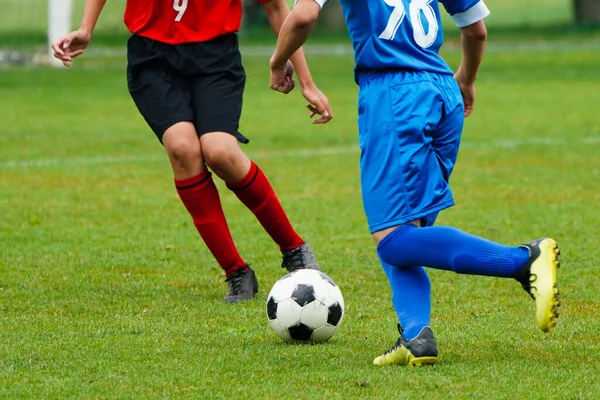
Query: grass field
x,y
106,290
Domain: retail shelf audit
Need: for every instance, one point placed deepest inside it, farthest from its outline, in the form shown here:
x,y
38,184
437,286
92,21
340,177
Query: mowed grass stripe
x,y
300,153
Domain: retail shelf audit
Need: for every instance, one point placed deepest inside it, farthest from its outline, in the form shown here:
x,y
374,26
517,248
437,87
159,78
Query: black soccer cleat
x,y
538,278
301,257
422,350
242,285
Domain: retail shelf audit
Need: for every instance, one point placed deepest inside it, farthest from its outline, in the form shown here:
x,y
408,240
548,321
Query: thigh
x,y
217,104
445,137
217,92
401,178
159,91
447,134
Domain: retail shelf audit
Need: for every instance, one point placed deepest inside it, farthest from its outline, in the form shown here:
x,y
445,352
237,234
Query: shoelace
x,y
527,285
398,342
237,281
295,258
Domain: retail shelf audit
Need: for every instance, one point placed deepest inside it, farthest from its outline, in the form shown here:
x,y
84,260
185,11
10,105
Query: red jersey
x,y
183,21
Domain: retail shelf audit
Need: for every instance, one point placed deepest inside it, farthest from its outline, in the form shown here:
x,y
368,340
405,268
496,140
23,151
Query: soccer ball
x,y
305,306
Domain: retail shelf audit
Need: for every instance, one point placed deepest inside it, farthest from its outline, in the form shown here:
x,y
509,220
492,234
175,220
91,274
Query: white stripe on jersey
x,y
474,14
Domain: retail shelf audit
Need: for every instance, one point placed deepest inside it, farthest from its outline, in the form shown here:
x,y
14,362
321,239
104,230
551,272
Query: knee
x,y
184,154
223,159
392,249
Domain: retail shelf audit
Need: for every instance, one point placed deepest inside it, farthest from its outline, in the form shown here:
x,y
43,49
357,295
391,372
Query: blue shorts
x,y
410,125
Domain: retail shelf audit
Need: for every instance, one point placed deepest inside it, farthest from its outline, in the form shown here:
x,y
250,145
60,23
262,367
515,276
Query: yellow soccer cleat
x,y
538,278
417,352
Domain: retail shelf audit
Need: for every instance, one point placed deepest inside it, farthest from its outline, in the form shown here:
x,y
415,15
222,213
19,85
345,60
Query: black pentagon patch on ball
x,y
303,294
272,308
335,314
328,279
300,332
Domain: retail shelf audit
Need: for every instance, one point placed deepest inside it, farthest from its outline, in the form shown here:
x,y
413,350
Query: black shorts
x,y
198,82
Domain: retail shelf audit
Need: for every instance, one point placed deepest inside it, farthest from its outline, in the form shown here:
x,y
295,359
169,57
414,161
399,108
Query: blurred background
x,y
24,24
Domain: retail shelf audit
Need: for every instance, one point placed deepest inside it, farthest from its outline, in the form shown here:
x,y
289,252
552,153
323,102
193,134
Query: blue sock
x,y
450,249
411,297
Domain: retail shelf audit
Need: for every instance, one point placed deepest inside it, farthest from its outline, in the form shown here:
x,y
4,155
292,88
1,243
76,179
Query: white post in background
x,y
59,24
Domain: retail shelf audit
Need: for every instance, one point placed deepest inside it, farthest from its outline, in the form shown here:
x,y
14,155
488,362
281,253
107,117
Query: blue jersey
x,y
404,34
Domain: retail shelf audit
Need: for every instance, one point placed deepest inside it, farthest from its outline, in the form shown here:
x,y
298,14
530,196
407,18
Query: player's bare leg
x,y
183,148
223,155
380,235
201,198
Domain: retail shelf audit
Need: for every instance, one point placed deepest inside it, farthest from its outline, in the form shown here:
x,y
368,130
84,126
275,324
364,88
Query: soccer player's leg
x,y
534,265
251,186
163,99
462,253
200,196
217,99
394,150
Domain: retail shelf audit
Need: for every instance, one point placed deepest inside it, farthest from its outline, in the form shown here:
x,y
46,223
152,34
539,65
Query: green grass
x,y
106,290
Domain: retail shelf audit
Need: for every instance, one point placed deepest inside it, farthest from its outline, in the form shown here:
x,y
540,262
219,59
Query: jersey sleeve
x,y
321,3
466,12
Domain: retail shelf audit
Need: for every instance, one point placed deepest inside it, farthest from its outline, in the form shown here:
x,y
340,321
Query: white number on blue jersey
x,y
417,9
180,6
395,20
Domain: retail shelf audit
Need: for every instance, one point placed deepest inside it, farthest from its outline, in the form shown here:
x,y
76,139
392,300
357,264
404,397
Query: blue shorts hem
x,y
412,217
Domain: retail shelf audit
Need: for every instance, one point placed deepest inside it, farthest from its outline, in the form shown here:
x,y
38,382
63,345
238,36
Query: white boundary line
x,y
304,153
346,49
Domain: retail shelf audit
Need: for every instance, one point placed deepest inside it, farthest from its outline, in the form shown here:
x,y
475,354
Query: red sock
x,y
201,198
255,191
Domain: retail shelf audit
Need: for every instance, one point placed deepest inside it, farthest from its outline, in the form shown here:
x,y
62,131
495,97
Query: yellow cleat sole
x,y
402,356
543,283
423,361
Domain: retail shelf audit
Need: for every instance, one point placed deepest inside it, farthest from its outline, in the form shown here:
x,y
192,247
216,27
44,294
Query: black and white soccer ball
x,y
305,306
